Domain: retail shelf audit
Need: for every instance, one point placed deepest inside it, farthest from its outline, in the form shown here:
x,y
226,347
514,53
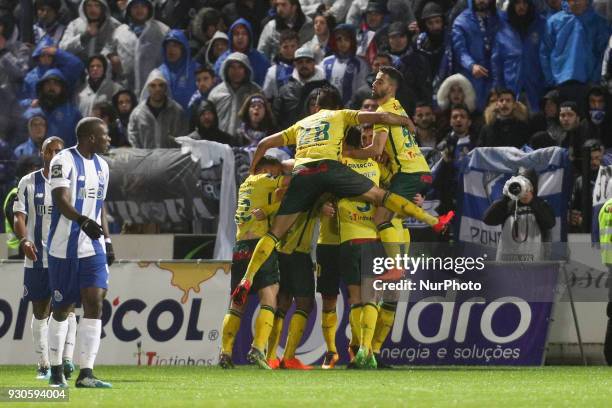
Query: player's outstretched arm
x,y
275,140
374,150
61,198
385,118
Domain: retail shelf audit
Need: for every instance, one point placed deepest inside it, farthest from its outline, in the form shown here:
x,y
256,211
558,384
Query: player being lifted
x,y
32,217
256,194
78,252
318,139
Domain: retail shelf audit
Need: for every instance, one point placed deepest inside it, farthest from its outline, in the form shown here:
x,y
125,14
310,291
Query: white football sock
x,y
57,338
40,333
88,337
70,337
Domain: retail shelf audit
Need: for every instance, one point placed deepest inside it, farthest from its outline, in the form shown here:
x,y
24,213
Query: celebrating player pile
x,y
318,171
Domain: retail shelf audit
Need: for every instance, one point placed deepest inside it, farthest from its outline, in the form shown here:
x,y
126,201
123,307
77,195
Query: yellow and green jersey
x,y
299,236
257,191
319,136
404,154
357,217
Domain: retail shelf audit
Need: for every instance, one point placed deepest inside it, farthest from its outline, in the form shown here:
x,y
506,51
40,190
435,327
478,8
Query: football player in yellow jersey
x,y
358,236
410,171
297,283
318,139
328,279
256,192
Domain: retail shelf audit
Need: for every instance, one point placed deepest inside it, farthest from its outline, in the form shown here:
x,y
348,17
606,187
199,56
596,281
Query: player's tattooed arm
x,y
275,140
386,118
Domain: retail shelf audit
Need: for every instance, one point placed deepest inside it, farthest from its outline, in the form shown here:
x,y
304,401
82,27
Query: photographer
x,y
526,219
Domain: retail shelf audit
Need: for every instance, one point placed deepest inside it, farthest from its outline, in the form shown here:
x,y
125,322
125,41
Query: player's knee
x,y
92,308
329,302
304,303
59,315
40,314
237,308
40,310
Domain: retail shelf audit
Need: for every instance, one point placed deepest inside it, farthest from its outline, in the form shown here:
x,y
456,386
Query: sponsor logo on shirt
x,y
56,171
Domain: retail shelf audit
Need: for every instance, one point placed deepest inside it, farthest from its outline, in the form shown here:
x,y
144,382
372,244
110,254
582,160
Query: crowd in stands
x,y
478,73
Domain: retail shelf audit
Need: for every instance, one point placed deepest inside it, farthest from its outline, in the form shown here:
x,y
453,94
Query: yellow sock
x,y
369,315
407,208
407,239
390,238
263,327
275,334
296,330
384,323
329,320
355,322
261,253
231,325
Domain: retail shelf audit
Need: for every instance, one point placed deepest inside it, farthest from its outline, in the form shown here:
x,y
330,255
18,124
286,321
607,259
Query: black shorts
x,y
311,180
266,276
356,258
408,185
328,269
296,274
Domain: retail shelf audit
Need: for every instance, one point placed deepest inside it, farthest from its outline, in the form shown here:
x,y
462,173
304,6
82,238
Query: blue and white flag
x,y
484,174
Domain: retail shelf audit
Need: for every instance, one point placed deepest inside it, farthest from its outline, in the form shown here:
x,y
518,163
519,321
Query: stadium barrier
x,y
171,312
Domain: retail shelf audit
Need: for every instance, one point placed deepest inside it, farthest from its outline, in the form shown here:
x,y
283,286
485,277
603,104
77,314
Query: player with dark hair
x,y
257,205
32,218
318,139
79,254
410,175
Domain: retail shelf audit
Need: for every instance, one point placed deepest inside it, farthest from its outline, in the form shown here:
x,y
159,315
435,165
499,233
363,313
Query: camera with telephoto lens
x,y
517,186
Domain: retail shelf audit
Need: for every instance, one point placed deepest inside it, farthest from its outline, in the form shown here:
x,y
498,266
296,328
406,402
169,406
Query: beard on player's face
x,y
379,92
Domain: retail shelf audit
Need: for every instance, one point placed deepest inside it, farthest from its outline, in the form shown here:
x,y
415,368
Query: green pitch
x,y
153,387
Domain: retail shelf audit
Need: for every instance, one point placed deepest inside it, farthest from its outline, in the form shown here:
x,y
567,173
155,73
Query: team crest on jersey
x,y
57,296
25,291
101,176
56,171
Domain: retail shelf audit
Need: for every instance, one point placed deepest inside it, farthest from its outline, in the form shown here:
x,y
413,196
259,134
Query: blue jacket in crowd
x,y
259,62
70,66
181,74
473,44
516,58
573,46
62,120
